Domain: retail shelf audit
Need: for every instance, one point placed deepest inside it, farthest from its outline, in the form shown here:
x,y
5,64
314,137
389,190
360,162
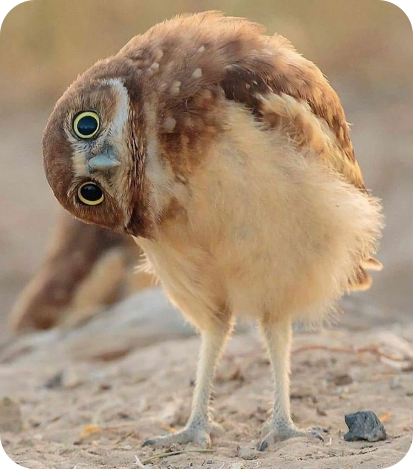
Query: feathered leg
x,y
278,339
200,425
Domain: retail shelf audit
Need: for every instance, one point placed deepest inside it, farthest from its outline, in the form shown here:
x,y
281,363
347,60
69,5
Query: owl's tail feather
x,y
363,280
372,264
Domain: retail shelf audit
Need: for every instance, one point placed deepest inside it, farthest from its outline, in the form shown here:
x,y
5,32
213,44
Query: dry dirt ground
x,y
87,398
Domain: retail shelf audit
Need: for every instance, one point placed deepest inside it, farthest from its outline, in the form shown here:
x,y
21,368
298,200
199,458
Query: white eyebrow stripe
x,y
78,156
122,110
79,164
115,136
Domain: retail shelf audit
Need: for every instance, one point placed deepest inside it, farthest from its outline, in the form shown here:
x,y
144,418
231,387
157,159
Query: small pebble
x,y
68,378
343,379
364,426
55,381
247,453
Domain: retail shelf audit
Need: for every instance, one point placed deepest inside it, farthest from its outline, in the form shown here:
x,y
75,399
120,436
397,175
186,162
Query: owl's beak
x,y
104,161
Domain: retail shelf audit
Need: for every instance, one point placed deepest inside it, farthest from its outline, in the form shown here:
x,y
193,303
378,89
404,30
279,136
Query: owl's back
x,y
182,58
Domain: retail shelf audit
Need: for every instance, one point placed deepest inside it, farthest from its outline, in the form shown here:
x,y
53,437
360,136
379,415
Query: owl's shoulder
x,y
186,64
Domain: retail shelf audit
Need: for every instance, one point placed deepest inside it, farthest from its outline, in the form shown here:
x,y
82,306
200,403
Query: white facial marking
x,y
116,137
78,163
79,151
122,109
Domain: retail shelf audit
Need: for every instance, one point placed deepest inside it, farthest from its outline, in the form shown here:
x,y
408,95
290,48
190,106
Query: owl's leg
x,y
200,425
278,339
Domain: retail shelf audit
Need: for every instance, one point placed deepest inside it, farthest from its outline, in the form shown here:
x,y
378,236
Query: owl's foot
x,y
197,432
281,432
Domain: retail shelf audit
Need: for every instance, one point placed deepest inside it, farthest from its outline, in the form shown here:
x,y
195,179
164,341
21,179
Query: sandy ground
x,y
85,400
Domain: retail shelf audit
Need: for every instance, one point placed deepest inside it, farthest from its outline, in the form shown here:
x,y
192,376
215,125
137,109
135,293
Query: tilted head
x,y
114,136
91,149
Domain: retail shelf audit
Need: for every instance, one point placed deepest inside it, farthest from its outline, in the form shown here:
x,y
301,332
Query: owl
x,y
227,157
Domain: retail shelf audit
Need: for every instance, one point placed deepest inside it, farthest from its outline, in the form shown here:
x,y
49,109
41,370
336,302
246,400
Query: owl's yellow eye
x,y
86,124
90,194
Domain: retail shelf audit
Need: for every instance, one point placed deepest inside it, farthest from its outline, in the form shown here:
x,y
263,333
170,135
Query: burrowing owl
x,y
226,155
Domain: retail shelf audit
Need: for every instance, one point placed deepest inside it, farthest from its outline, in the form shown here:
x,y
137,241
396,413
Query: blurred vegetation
x,y
46,43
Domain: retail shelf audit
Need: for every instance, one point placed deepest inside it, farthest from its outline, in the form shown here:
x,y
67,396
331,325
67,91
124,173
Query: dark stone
x,y
342,379
55,381
364,426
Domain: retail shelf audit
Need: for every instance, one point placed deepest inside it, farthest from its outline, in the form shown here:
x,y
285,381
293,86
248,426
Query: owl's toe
x,y
189,434
281,433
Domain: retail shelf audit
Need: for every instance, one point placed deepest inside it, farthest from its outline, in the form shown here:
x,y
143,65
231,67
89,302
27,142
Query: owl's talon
x,y
316,435
263,445
277,434
319,429
197,435
148,442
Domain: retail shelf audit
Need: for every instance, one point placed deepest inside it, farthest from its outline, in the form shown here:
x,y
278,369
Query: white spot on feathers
x,y
169,124
158,55
175,88
197,73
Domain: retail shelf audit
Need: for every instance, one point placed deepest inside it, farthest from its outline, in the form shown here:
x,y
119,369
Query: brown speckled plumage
x,y
231,164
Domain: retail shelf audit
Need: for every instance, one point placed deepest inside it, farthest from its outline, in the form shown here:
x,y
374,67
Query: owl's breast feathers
x,y
186,65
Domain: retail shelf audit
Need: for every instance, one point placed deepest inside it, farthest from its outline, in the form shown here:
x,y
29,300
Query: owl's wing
x,y
290,94
286,91
280,87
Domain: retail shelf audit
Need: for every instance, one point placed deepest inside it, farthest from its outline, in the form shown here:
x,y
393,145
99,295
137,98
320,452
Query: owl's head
x,y
92,153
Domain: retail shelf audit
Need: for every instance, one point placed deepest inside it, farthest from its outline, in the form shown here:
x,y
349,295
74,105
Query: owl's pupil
x,y
91,192
87,125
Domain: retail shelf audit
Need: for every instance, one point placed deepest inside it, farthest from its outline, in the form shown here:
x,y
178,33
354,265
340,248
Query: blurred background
x,y
364,48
